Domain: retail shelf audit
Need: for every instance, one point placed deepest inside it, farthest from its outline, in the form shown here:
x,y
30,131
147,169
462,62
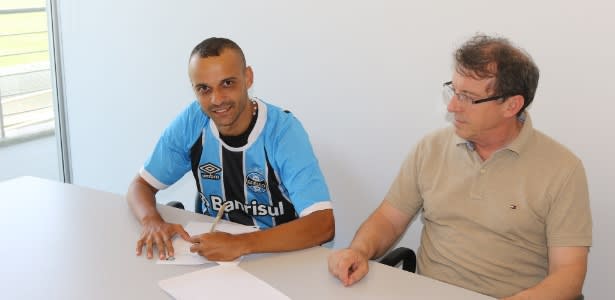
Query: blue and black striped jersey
x,y
272,179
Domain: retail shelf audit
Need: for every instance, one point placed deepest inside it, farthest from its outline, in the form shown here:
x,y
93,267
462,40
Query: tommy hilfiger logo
x,y
210,171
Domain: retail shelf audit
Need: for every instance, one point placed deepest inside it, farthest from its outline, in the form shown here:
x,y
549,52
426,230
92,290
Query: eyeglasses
x,y
448,92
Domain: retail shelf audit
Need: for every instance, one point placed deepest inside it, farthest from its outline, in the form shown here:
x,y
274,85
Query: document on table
x,y
219,282
183,256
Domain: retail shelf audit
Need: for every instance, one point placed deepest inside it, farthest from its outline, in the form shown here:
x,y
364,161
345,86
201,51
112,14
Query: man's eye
x,y
227,83
464,98
202,90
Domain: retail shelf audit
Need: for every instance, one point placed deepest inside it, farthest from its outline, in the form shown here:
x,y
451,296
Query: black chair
x,y
402,255
198,204
176,204
198,208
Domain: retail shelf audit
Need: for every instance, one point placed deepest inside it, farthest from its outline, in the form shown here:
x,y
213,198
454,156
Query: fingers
x,y
358,271
160,246
334,266
197,243
196,248
217,246
348,266
165,247
168,245
149,248
159,235
195,239
339,267
182,233
139,249
164,239
144,241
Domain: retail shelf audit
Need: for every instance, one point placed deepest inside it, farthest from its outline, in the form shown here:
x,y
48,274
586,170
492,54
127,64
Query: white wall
x,y
363,76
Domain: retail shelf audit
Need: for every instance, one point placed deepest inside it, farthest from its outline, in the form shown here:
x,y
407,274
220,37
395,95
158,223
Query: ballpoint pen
x,y
213,226
218,216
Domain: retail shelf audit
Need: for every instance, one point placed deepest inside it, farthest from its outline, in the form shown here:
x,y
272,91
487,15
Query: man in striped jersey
x,y
250,155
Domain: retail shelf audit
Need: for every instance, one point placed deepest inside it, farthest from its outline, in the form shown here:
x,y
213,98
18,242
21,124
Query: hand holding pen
x,y
218,216
217,246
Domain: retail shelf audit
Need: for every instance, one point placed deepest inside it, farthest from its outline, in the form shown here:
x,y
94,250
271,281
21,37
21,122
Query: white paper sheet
x,y
219,282
183,256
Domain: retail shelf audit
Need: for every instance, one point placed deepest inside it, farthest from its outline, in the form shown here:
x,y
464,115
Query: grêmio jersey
x,y
274,178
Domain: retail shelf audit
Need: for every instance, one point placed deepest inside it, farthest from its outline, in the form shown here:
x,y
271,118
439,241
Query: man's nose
x,y
453,105
216,98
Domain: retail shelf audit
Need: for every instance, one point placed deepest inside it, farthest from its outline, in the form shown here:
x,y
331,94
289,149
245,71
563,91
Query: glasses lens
x,y
447,94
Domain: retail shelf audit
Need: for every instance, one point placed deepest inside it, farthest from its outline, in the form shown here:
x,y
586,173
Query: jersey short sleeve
x,y
170,159
298,167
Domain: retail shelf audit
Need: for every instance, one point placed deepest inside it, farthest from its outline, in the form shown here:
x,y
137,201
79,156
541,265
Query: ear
x,y
249,77
513,105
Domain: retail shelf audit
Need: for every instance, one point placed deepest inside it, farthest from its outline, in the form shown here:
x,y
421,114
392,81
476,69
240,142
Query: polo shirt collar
x,y
523,138
517,144
459,141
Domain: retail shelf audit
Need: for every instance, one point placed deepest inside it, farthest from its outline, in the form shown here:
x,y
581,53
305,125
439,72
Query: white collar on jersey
x,y
261,118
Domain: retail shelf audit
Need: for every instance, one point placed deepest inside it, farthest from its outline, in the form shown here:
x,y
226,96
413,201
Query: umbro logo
x,y
210,171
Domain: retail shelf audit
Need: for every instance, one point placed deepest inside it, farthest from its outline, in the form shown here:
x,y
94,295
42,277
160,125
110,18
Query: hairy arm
x,y
567,268
378,233
375,236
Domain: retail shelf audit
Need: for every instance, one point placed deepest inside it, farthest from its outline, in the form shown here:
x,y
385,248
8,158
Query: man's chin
x,y
461,133
222,123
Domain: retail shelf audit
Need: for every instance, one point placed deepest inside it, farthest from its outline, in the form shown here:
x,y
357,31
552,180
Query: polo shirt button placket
x,y
477,189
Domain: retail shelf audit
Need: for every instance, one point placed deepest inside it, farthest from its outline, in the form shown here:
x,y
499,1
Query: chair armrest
x,y
198,204
401,255
176,204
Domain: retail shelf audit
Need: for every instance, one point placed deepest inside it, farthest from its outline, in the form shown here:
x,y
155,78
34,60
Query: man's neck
x,y
499,138
242,138
240,126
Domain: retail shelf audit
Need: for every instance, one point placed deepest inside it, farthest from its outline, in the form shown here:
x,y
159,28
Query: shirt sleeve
x,y
569,221
299,170
170,159
404,193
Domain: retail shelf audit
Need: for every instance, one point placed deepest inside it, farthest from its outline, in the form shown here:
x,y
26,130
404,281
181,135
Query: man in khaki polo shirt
x,y
505,207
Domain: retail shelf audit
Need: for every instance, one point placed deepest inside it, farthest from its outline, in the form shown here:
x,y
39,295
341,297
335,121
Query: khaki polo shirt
x,y
488,224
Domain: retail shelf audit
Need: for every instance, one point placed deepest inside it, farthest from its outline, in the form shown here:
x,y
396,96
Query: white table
x,y
63,241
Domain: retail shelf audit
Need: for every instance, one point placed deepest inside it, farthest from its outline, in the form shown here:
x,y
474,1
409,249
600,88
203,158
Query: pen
x,y
218,217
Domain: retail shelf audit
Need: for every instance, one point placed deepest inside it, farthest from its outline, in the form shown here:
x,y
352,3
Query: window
x,y
28,141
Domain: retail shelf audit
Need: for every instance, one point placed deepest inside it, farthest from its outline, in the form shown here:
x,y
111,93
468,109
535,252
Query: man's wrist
x,y
247,243
361,250
151,219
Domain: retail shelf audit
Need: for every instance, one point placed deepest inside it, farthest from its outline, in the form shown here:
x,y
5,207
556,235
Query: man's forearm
x,y
142,201
564,283
308,231
555,286
375,236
